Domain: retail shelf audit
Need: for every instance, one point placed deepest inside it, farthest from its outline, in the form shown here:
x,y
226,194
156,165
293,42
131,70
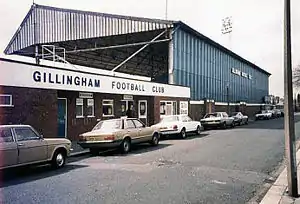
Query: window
x,y
79,107
184,107
5,135
186,118
174,108
129,124
25,133
108,125
168,108
5,100
108,107
90,107
167,119
138,124
225,115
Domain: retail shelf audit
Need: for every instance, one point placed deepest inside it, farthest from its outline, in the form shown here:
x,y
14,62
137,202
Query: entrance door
x,y
62,117
143,111
125,105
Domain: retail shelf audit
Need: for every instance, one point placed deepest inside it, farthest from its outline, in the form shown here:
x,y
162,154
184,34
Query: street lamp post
x,y
289,126
227,95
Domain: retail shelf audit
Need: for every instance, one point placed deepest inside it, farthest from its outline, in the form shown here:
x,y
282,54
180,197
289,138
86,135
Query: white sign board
x,y
33,76
85,95
240,73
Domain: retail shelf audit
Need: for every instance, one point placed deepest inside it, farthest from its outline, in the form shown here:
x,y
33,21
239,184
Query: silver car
x,y
218,119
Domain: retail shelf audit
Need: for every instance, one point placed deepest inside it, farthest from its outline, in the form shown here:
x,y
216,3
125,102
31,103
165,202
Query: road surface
x,y
220,166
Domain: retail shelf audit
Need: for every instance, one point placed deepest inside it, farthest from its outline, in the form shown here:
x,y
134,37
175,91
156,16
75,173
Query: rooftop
x,y
101,40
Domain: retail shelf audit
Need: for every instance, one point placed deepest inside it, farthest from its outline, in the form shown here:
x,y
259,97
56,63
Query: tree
x,y
296,76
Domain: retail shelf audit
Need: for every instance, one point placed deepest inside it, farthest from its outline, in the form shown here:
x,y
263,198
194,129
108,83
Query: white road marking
x,y
219,182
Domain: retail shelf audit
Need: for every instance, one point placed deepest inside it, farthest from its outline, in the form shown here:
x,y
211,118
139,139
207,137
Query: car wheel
x,y
232,125
94,151
155,140
246,122
183,133
59,159
126,145
224,126
198,130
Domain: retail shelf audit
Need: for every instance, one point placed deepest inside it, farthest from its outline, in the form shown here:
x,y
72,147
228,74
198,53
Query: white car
x,y
239,118
264,115
178,124
218,119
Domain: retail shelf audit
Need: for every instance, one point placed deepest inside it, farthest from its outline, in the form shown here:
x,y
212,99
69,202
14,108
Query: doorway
x,y
125,104
62,117
142,109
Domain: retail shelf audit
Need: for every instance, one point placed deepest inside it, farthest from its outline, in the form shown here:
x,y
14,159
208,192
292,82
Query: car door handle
x,y
20,144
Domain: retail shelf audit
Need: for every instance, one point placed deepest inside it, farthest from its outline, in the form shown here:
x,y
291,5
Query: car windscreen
x,y
169,119
108,125
233,114
211,115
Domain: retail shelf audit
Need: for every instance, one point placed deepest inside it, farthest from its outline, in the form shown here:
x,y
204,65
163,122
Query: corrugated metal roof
x,y
45,24
217,45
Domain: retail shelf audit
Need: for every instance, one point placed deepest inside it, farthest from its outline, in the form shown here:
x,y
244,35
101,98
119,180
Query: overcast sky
x,y
257,24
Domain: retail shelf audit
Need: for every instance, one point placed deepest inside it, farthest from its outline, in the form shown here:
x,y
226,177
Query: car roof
x,y
11,126
174,115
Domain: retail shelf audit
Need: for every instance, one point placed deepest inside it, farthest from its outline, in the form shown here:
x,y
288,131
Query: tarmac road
x,y
219,166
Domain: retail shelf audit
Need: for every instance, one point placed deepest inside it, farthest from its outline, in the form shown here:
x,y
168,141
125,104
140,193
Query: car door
x,y
243,118
131,130
144,133
8,148
184,123
31,147
190,125
225,118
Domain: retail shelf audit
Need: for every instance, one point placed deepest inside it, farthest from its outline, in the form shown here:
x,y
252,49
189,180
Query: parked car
x,y
277,113
239,118
23,145
282,112
118,133
264,115
218,119
179,125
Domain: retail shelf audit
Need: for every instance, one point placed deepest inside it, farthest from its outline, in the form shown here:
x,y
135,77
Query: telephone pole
x,y
289,126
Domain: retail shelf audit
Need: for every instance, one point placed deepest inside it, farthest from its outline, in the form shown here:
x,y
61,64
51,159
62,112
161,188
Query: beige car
x,y
118,133
22,145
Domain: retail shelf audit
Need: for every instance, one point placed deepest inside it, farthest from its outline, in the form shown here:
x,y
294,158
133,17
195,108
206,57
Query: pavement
x,y
77,150
278,192
219,166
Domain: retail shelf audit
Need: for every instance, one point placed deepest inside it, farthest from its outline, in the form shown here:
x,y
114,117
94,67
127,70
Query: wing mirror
x,y
42,137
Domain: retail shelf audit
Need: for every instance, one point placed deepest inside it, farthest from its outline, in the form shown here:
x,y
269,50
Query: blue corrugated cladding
x,y
207,70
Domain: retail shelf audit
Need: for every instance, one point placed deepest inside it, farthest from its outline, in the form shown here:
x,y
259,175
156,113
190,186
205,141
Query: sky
x,y
257,24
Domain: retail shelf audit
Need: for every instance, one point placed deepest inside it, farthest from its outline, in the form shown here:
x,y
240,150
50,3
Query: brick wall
x,y
35,107
156,108
223,108
252,110
77,126
197,111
